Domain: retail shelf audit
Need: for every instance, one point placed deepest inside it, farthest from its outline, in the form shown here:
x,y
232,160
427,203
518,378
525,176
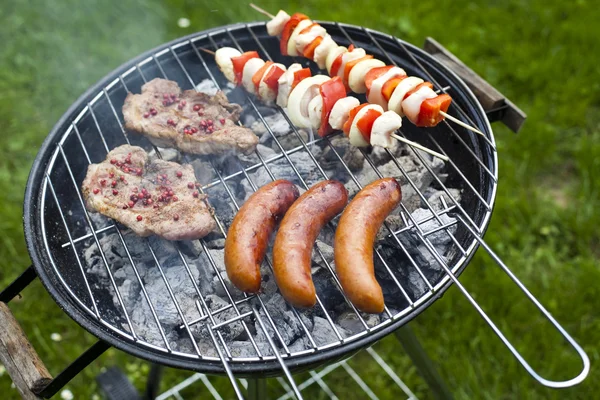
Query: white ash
x,y
208,270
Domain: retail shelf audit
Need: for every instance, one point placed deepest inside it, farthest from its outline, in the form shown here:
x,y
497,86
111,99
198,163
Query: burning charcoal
x,y
203,170
209,87
190,248
323,333
166,154
327,252
328,291
276,123
232,330
286,322
350,321
245,349
435,198
221,291
440,238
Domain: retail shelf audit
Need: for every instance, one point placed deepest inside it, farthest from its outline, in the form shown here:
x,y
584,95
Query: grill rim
x,y
36,247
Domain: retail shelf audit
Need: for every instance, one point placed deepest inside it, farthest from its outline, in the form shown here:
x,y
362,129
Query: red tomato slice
x,y
350,65
272,77
351,115
351,47
365,123
429,114
299,75
288,29
373,74
239,62
259,74
419,86
331,91
309,51
388,88
337,63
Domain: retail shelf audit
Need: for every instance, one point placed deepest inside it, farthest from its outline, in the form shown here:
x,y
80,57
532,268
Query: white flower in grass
x,y
183,22
56,337
2,370
66,395
95,397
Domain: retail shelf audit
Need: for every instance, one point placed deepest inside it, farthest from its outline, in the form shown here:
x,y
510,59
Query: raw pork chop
x,y
193,122
148,196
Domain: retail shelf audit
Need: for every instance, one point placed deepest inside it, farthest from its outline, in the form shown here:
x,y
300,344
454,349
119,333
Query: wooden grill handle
x,y
28,372
495,104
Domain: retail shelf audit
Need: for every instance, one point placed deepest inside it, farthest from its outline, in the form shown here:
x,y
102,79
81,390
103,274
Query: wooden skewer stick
x,y
262,11
418,146
459,122
207,51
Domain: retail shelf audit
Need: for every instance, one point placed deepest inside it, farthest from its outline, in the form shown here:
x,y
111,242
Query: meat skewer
x,y
424,109
316,102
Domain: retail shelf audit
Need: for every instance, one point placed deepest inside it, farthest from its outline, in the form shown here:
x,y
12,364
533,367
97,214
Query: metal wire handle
x,y
546,382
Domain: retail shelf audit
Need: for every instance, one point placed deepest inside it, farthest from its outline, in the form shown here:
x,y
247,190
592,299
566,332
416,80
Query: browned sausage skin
x,y
354,240
296,236
248,235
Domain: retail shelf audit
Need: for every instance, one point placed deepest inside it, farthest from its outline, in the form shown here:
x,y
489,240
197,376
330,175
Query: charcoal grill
x,y
58,230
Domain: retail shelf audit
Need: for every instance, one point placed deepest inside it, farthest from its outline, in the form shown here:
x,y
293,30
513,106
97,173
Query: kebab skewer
x,y
314,102
388,86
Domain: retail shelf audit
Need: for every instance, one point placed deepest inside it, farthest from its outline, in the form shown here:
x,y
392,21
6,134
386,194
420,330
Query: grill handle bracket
x,y
495,104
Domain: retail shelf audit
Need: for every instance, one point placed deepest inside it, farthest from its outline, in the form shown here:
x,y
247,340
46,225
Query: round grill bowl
x,y
45,229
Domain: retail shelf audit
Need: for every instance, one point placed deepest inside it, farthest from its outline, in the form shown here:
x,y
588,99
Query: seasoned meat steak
x,y
148,196
190,121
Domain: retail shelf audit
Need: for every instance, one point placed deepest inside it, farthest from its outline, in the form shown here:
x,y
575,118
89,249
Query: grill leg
x,y
153,384
415,351
18,285
76,366
257,389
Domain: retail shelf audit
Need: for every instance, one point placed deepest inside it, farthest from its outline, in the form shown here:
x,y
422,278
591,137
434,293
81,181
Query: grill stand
x,y
30,376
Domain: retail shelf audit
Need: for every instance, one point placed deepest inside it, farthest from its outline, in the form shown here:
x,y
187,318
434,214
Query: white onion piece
x,y
383,127
301,95
322,50
405,86
356,77
304,39
291,44
223,58
315,108
250,68
340,111
411,106
265,93
285,84
355,54
275,26
332,55
375,94
356,138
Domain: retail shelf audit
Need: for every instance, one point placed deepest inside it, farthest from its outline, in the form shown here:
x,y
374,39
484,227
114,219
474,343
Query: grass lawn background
x,y
542,55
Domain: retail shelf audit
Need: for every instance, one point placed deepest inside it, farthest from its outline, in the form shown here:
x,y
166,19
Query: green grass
x,y
542,56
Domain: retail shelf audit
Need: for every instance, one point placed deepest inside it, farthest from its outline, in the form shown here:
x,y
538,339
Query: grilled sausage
x,y
296,236
249,233
354,239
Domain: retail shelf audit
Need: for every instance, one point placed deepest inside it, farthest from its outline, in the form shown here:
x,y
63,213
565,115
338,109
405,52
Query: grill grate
x,y
98,127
